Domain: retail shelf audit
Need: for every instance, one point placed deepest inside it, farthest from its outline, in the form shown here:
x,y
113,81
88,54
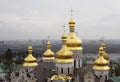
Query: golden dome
x,y
30,60
101,63
73,42
64,55
60,77
48,54
57,77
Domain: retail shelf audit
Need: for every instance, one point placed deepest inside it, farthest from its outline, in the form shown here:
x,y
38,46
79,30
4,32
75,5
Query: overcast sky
x,y
38,19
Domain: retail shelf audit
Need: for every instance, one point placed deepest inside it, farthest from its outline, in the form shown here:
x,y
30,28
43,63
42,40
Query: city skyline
x,y
24,19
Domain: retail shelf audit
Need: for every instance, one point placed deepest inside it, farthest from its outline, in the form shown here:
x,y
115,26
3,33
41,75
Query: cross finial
x,y
30,41
102,39
71,12
64,27
48,37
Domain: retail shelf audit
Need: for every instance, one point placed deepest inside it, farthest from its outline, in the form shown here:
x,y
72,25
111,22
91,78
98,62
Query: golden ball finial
x,y
30,49
64,36
48,44
101,50
71,23
103,45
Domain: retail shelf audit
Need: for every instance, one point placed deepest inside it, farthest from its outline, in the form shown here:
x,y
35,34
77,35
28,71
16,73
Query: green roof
x,y
4,67
87,59
115,79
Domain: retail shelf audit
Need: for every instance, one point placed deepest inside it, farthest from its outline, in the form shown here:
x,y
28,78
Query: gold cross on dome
x,y
48,37
30,41
102,39
71,12
64,27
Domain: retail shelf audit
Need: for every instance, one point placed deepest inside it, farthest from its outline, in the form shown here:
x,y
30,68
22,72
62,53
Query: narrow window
x,y
62,70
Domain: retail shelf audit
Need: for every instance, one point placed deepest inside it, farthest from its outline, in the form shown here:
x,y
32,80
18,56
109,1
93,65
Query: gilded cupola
x,y
64,55
100,63
30,61
48,54
61,77
73,42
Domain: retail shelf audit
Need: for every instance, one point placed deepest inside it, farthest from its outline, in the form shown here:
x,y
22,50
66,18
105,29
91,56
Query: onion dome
x,y
101,63
73,42
30,60
105,55
48,54
64,55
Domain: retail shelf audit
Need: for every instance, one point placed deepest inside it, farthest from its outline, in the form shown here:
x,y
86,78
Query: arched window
x,y
68,70
74,63
62,70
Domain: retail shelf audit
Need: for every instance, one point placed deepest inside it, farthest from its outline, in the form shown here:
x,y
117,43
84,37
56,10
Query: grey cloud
x,y
37,19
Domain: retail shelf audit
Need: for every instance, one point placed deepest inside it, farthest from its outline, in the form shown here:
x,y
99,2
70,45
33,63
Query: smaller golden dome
x,y
30,60
54,77
48,54
100,60
60,77
64,54
101,63
57,77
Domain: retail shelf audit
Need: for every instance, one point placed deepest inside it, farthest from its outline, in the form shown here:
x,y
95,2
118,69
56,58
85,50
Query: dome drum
x,y
64,57
51,55
95,67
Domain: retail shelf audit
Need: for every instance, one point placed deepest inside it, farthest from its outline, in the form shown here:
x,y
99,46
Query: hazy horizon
x,y
38,19
98,40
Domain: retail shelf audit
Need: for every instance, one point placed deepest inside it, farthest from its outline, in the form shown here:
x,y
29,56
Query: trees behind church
x,y
9,56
